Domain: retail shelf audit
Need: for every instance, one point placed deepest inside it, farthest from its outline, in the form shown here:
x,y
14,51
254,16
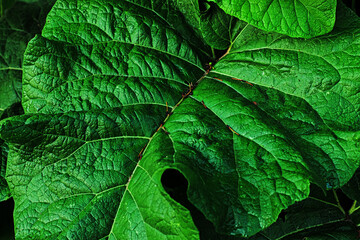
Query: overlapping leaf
x,y
318,217
297,18
96,88
4,189
218,28
13,110
17,27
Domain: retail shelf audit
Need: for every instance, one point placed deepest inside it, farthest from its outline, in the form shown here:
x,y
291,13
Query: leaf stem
x,y
232,43
328,203
213,52
338,202
354,208
11,68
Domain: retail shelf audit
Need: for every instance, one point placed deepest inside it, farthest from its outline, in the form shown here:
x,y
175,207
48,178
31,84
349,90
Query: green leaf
x,y
13,110
4,189
307,74
208,22
20,23
81,190
86,159
303,19
148,66
18,26
218,28
318,217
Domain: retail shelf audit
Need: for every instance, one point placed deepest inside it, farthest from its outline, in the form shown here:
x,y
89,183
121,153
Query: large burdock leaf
x,y
104,87
299,18
320,75
110,106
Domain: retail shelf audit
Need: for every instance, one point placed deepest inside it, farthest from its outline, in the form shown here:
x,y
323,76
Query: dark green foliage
x,y
115,93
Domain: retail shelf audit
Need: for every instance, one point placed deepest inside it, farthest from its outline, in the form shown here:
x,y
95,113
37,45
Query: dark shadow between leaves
x,y
175,184
6,220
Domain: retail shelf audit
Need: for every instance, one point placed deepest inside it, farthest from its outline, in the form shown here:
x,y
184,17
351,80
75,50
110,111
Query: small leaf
x,y
218,28
303,19
4,189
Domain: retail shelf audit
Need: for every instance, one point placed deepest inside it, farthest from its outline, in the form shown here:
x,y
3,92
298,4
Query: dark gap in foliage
x,y
345,202
318,192
282,215
343,228
203,5
15,109
219,53
175,184
6,220
354,5
328,196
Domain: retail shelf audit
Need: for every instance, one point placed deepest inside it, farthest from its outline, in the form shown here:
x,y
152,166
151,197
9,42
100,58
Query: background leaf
x,y
304,19
218,28
20,23
4,189
4,5
318,217
212,26
13,110
17,27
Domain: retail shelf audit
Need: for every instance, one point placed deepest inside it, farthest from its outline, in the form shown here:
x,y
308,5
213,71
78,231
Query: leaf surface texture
x,y
88,155
298,18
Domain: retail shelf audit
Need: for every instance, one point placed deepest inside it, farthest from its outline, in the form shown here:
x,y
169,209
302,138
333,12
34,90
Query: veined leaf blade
x,y
303,19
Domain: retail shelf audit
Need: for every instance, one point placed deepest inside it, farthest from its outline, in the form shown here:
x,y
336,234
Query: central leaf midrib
x,y
149,142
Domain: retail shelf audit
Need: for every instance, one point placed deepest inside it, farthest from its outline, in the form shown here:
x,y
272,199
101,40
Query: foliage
x,y
117,92
19,23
